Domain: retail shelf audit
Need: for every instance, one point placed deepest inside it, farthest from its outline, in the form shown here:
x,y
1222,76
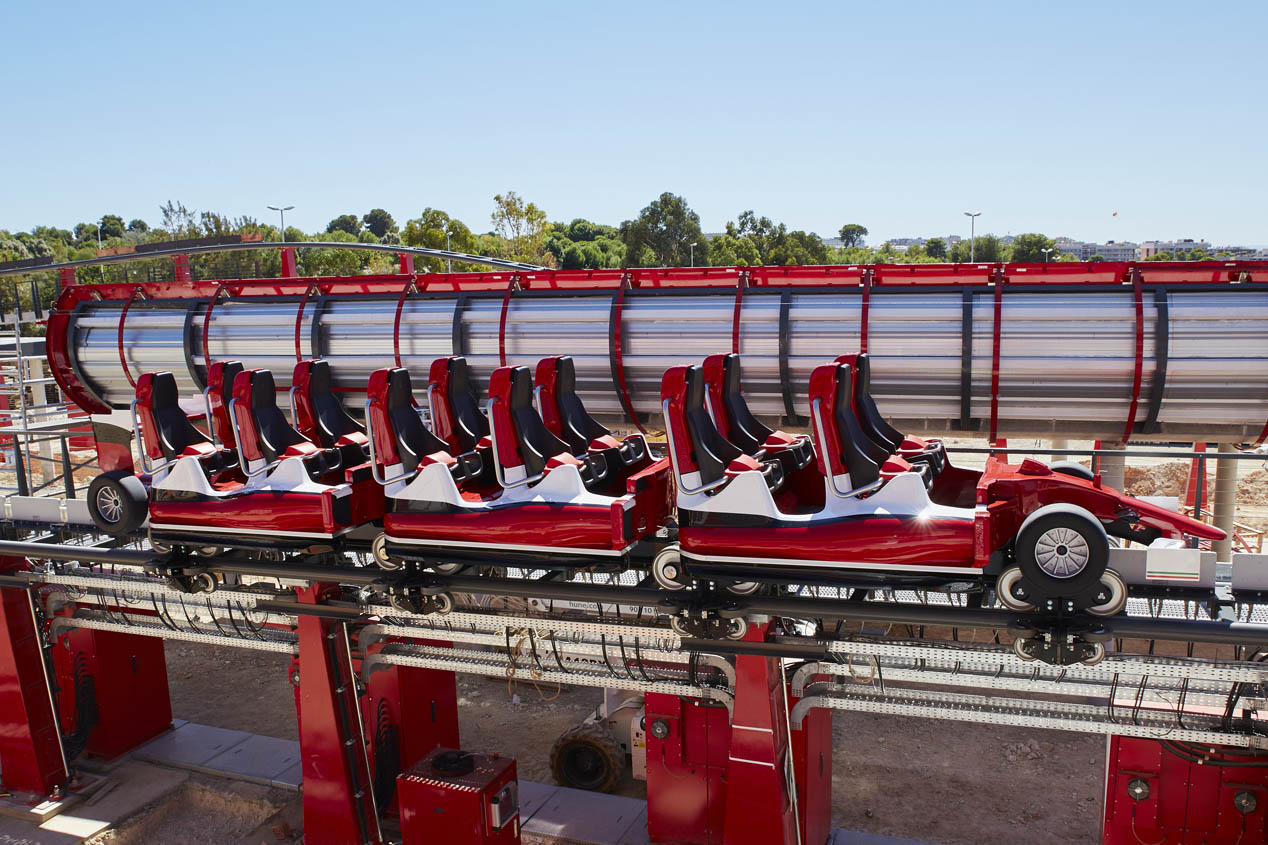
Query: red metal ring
x,y
396,323
506,304
620,363
123,315
211,306
1138,295
864,309
995,343
299,318
741,281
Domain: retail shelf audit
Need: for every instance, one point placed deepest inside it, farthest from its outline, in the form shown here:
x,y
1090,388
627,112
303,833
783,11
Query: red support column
x,y
407,264
181,271
30,748
687,744
338,795
812,772
758,805
289,267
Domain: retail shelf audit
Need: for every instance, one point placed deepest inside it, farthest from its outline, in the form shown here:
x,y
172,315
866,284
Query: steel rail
x,y
196,250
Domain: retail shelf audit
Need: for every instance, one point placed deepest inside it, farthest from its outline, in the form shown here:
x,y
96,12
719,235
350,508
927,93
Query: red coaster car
x,y
550,508
1040,533
274,488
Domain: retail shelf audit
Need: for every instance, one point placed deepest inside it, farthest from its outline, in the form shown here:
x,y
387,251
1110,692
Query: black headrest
x,y
694,400
400,393
229,372
163,391
863,363
565,375
460,375
263,390
731,374
319,377
521,388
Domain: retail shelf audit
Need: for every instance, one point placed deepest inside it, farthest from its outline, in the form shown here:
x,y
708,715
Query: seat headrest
x,y
400,391
863,368
163,391
731,372
695,389
319,380
263,389
227,373
565,375
521,388
459,375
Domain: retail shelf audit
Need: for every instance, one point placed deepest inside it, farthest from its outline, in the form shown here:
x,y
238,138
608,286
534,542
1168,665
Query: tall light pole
x,y
693,254
1046,253
282,211
448,261
972,215
102,267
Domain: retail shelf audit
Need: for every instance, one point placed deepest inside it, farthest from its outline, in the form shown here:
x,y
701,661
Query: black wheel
x,y
1062,551
587,756
1072,468
117,502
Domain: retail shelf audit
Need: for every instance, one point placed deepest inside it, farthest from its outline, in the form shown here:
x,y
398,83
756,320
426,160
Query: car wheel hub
x,y
1062,552
109,504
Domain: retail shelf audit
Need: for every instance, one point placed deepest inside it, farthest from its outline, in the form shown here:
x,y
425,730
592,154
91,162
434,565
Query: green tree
x,y
111,226
1031,246
987,248
852,234
522,226
138,226
85,233
349,223
1096,258
178,221
729,251
51,235
429,230
663,233
936,248
331,262
379,222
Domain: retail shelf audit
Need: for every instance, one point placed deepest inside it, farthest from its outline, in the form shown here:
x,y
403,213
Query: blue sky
x,y
1047,117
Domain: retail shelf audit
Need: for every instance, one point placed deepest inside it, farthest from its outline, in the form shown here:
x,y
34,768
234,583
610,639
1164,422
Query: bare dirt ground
x,y
947,782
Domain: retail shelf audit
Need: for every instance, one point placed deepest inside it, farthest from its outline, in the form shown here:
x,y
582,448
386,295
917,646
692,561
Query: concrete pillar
x,y
1061,444
1112,469
1225,502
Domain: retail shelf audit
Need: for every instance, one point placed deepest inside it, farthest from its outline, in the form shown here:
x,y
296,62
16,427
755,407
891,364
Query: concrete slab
x,y
259,759
21,832
190,745
851,837
532,796
289,778
636,834
138,786
584,818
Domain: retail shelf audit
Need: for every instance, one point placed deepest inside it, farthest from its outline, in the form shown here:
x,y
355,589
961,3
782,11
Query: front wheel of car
x,y
1062,551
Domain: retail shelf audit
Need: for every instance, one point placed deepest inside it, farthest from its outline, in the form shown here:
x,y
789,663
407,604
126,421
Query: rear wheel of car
x,y
117,502
1115,589
667,568
1062,551
1072,468
378,551
1005,586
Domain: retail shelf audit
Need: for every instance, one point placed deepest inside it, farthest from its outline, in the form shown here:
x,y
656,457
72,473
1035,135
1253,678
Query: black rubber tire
x,y
127,492
1076,519
587,756
1072,468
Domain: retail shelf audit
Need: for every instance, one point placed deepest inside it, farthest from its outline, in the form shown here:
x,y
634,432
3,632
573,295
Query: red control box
x,y
1185,794
459,796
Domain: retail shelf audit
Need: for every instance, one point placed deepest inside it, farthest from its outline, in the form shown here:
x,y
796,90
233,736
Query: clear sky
x,y
899,116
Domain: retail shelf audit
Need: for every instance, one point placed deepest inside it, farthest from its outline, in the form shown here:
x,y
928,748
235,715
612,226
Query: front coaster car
x,y
1062,553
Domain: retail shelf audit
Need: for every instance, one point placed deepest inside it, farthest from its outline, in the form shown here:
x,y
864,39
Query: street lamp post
x,y
972,215
282,211
448,261
102,267
693,254
1046,253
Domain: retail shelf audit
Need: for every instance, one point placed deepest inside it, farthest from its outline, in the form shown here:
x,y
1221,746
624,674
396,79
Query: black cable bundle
x,y
85,716
387,756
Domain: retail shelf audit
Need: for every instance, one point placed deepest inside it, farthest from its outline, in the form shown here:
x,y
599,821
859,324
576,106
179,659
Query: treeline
x,y
666,232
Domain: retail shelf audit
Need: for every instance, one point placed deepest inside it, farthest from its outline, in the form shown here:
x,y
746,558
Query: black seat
x,y
537,445
712,452
877,428
470,423
414,440
747,431
855,444
333,420
175,431
579,428
277,436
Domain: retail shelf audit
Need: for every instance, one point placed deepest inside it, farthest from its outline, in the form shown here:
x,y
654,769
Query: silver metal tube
x,y
1225,503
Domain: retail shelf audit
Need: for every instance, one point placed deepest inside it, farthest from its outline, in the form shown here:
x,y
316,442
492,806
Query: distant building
x,y
1149,249
1084,250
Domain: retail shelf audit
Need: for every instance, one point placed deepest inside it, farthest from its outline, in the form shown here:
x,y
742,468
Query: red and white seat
x,y
914,450
736,423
